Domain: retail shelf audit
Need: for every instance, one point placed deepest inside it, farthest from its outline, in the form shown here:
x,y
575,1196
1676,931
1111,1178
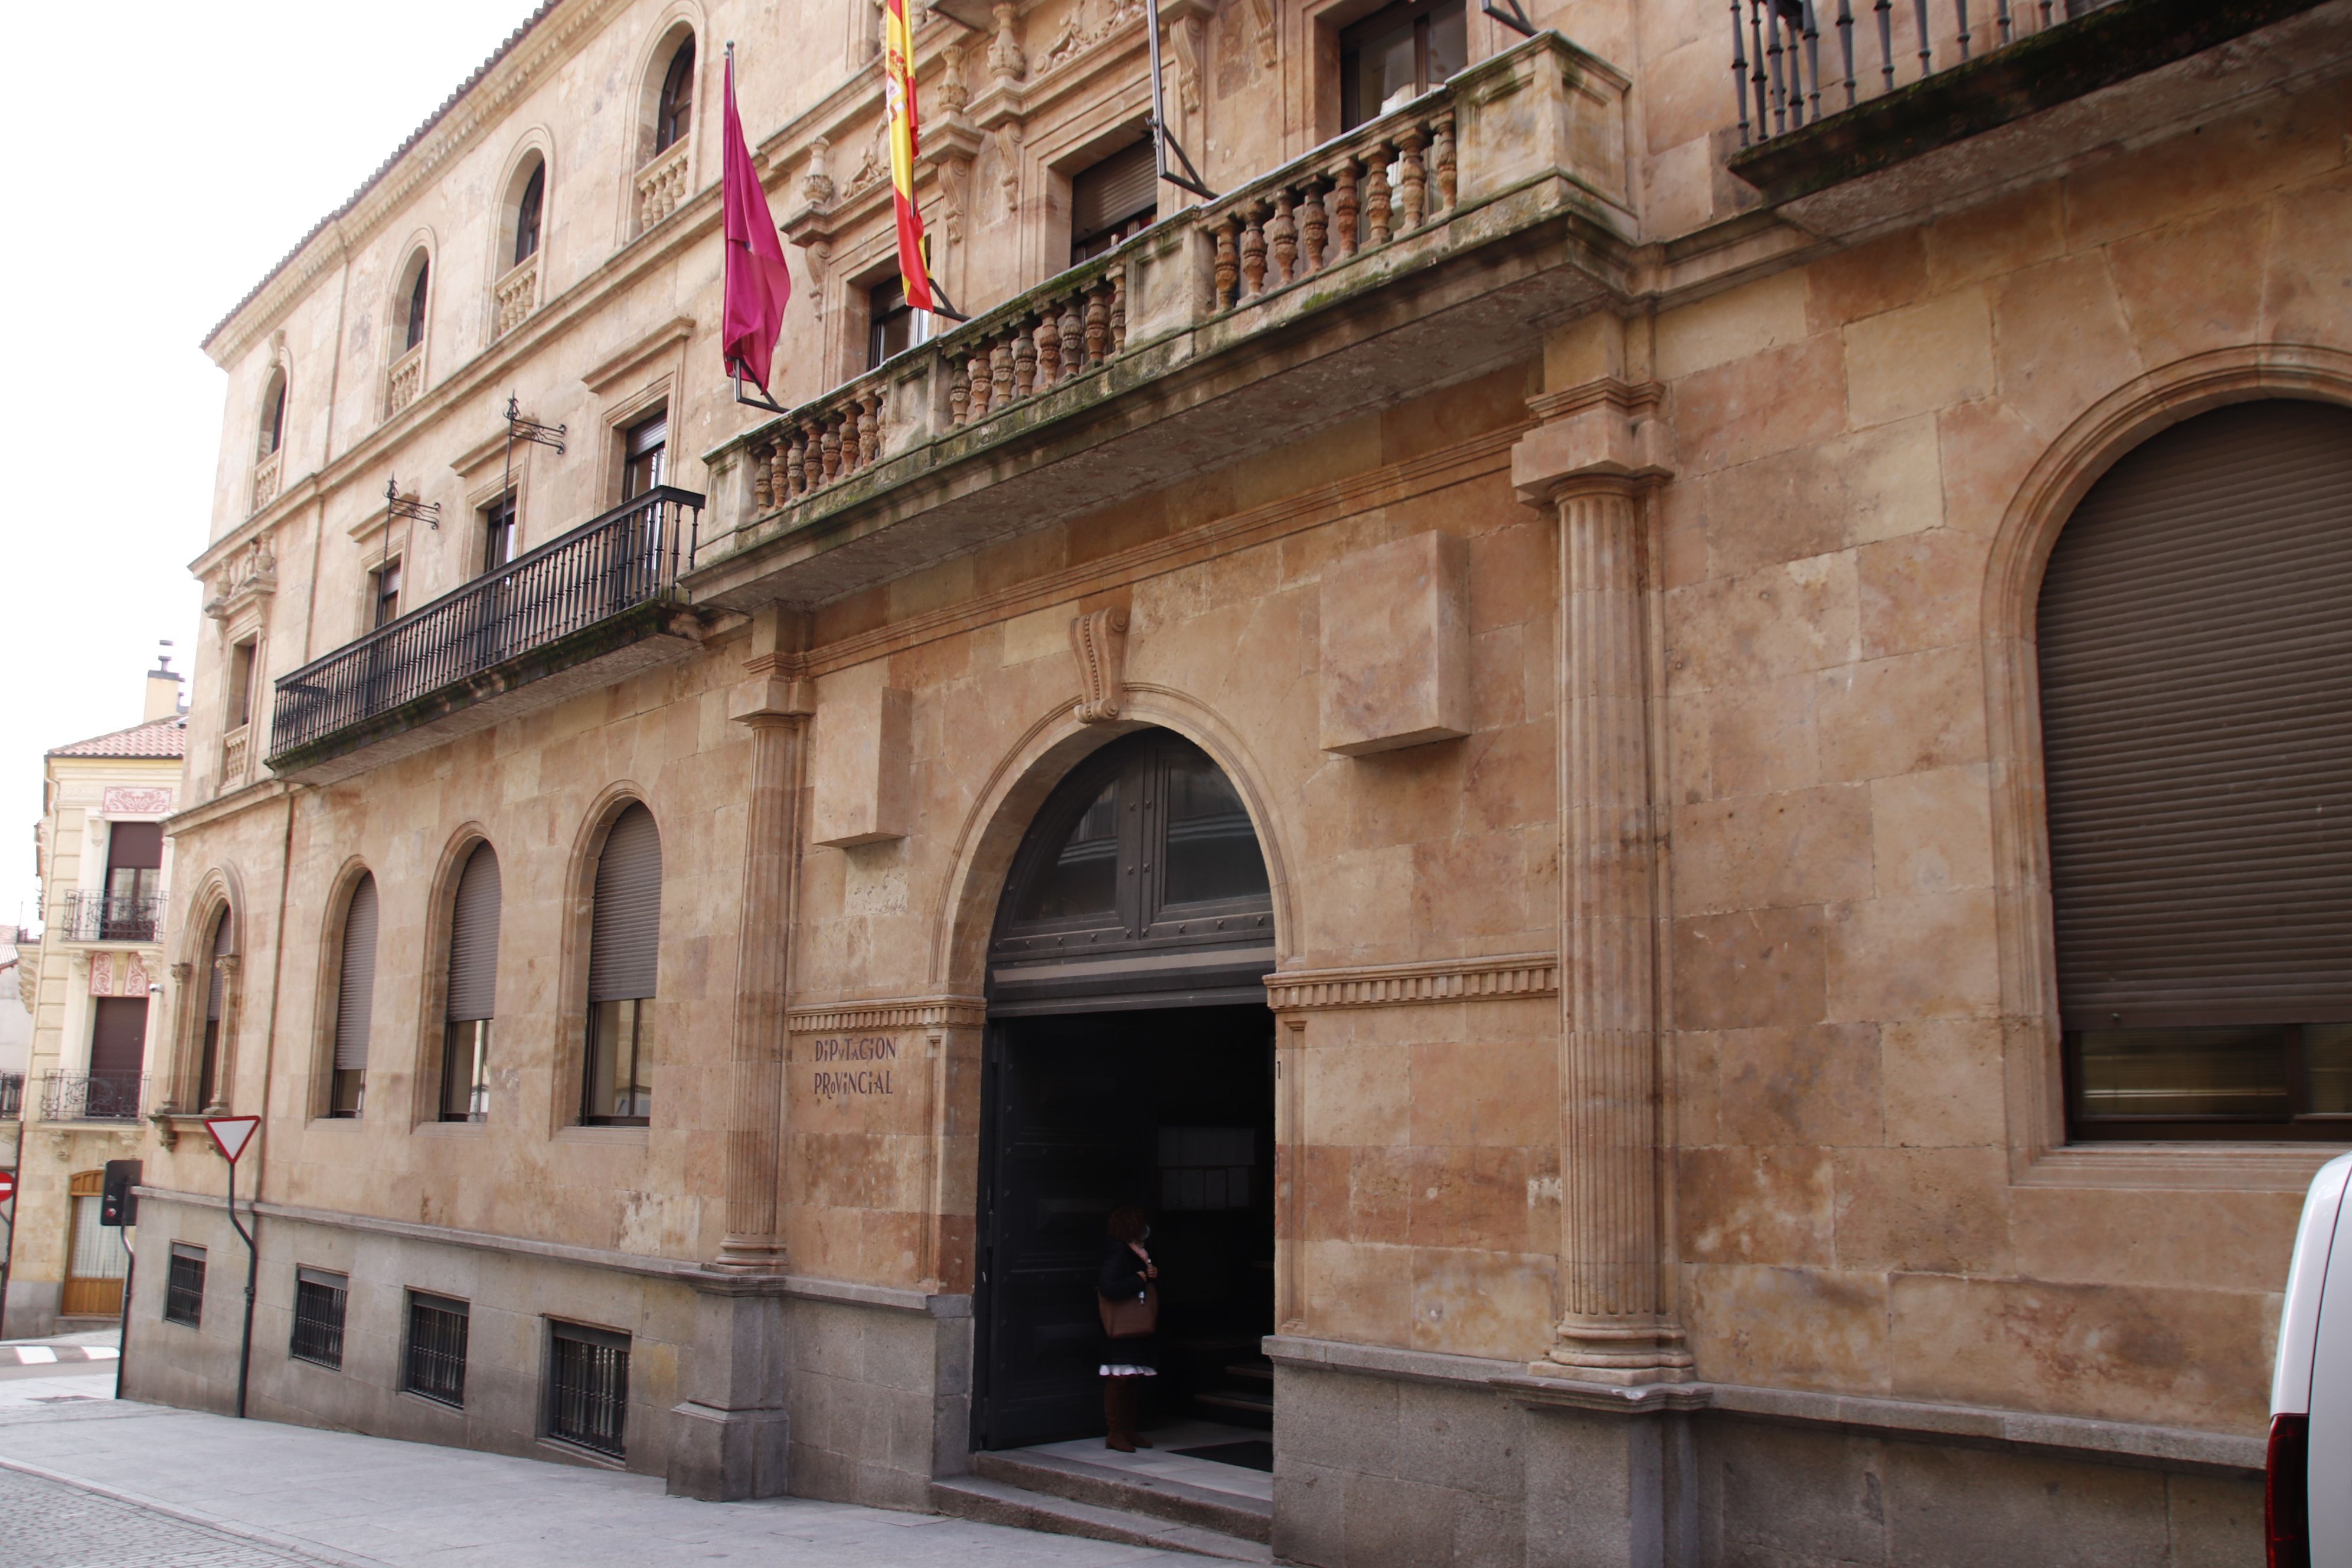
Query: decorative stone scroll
x,y
1099,640
1403,984
125,800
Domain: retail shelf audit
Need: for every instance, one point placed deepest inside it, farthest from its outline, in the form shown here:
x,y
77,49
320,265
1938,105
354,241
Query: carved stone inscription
x,y
853,1065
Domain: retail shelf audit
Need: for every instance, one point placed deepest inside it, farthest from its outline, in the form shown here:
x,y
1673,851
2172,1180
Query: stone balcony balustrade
x,y
514,295
265,482
1419,249
404,381
661,185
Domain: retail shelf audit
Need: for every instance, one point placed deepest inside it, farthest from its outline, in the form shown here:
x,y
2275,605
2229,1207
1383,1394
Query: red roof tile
x,y
158,738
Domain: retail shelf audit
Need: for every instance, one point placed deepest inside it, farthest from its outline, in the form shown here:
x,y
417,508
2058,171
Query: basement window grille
x,y
588,1388
184,1288
436,1348
319,1317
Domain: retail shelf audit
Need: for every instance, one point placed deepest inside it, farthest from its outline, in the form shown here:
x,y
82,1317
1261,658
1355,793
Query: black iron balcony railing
x,y
92,1096
12,1096
630,556
116,916
1783,83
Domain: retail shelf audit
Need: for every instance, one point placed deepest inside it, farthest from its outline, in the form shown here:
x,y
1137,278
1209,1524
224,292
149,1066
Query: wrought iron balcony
x,y
584,608
1406,255
1831,93
102,917
92,1095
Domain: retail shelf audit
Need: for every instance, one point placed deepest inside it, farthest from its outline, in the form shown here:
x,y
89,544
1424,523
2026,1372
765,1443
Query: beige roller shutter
x,y
474,940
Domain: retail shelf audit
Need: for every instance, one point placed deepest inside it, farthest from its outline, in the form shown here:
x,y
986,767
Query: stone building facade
x,y
92,984
1464,715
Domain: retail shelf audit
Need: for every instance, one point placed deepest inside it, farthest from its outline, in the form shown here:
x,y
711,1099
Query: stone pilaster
x,y
1593,467
775,707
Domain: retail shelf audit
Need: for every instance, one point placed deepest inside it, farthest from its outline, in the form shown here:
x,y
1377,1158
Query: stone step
x,y
990,1501
1110,1486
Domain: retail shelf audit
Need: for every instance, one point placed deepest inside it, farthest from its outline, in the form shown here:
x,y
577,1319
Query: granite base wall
x,y
1377,1469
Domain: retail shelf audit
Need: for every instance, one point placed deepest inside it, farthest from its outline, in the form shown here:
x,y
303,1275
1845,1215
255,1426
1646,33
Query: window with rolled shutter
x,y
473,990
2197,755
215,999
1113,201
624,961
354,1000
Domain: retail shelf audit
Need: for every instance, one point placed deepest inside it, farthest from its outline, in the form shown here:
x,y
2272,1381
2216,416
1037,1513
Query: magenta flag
x,y
758,283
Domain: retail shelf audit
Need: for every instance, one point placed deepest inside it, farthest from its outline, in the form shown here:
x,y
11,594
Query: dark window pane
x,y
2327,1069
418,294
1212,848
466,1072
644,456
675,116
620,1037
527,216
184,1288
319,1317
2177,1073
1082,878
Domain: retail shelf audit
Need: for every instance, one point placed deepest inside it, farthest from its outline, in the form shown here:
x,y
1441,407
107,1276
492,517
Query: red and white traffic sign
x,y
232,1133
7,1185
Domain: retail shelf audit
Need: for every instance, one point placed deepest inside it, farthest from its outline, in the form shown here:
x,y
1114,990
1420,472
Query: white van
x,y
2307,1497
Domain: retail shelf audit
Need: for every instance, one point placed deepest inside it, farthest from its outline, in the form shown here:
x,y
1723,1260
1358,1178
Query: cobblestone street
x,y
89,1482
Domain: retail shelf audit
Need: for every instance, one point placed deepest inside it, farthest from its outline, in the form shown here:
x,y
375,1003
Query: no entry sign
x,y
232,1133
7,1185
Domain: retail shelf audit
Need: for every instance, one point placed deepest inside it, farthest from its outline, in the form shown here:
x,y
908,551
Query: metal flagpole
x,y
1162,142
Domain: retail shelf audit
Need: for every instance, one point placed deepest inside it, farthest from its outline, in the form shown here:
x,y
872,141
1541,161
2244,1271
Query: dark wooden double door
x,y
1171,1110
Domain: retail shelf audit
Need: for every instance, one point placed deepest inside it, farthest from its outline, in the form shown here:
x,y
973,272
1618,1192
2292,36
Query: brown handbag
x,y
1130,1317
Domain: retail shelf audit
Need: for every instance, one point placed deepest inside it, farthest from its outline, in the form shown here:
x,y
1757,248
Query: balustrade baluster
x,y
2000,17
816,474
1118,311
2046,8
1073,337
1024,361
1000,372
797,463
1926,40
1412,180
1886,9
1812,62
1773,51
1740,68
1344,205
832,450
870,427
1845,45
1048,336
1098,325
764,490
981,382
1229,263
959,393
849,439
1963,6
1282,241
1377,193
1758,82
1313,226
1253,254
1443,162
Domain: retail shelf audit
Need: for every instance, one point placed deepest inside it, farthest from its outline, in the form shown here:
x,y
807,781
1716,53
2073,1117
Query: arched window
x,y
1145,861
473,989
527,211
354,1000
273,414
420,296
208,1061
674,113
2193,643
623,958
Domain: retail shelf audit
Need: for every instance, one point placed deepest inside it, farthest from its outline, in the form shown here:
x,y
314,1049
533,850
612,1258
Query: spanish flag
x,y
898,87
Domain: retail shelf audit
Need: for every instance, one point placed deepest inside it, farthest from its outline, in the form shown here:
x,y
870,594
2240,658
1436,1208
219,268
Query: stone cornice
x,y
1511,976
542,47
950,1012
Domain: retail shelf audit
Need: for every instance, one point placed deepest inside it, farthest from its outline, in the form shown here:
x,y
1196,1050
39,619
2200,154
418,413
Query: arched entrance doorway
x,y
1129,1060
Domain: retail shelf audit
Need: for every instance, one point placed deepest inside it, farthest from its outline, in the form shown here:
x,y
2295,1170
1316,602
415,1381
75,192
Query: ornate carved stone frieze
x,y
247,578
1099,640
946,1011
1404,984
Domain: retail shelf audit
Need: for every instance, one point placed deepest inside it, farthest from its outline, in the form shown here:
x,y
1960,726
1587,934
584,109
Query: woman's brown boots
x,y
1121,1398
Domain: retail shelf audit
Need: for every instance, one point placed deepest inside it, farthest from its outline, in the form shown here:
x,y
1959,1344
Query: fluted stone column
x,y
776,711
1593,469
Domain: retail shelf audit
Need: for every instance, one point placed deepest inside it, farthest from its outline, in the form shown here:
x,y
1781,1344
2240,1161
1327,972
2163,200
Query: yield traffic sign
x,y
232,1133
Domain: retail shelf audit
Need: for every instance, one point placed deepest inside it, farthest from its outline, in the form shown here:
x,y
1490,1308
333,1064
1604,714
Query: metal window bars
x,y
436,1349
1776,78
630,556
588,1392
184,1288
319,1300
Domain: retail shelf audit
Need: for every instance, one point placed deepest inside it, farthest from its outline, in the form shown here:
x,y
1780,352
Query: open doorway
x,y
1129,1061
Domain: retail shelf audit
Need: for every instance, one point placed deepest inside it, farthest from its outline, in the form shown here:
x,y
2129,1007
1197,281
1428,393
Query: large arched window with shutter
x,y
2197,742
354,1000
209,1059
623,958
473,989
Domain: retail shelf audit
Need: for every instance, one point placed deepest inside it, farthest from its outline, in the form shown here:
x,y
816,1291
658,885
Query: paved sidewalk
x,y
90,1482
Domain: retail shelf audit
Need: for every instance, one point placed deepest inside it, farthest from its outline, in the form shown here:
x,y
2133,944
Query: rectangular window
x,y
134,877
499,533
1394,56
620,1041
241,684
184,1290
319,1299
2292,1080
436,1348
587,1387
383,595
1114,200
645,449
466,1072
893,327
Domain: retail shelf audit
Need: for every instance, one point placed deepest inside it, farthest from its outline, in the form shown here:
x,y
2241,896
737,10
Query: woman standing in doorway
x,y
1129,1302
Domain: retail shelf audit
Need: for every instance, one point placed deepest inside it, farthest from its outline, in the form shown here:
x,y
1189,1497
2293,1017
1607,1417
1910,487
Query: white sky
x,y
176,154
